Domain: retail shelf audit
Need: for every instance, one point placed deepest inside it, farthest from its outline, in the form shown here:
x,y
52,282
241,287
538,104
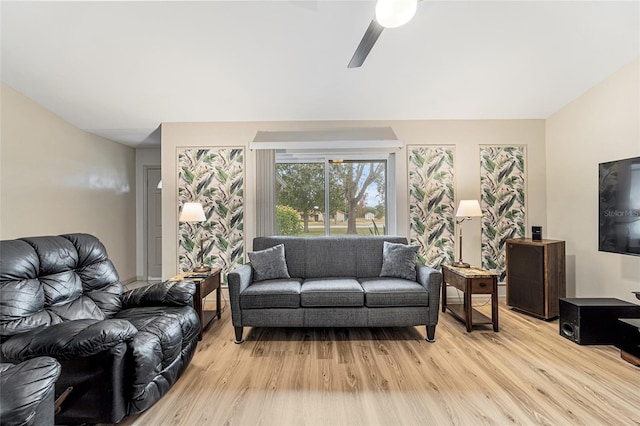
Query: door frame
x,y
145,231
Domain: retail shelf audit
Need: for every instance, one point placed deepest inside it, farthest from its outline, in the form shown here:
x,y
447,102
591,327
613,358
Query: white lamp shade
x,y
393,13
469,208
192,212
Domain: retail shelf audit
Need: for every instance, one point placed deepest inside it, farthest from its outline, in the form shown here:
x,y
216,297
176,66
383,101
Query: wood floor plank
x,y
526,374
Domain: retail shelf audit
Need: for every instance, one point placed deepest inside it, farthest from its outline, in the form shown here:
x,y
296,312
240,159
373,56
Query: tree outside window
x,y
356,193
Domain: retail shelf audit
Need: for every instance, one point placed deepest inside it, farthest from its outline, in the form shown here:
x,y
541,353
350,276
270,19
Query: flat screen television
x,y
619,206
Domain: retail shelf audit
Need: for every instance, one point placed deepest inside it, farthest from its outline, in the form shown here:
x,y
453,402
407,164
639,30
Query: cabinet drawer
x,y
453,280
481,286
209,284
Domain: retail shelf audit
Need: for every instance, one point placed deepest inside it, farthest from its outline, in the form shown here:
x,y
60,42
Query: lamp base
x,y
202,268
461,264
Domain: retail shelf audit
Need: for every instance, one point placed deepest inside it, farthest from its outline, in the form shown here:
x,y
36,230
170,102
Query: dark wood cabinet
x,y
536,276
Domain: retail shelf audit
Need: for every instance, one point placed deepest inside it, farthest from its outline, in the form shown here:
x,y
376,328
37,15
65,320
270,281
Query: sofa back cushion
x,y
48,280
323,257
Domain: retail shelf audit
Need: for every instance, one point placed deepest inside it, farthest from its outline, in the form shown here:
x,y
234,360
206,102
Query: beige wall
x,y
467,136
601,125
58,179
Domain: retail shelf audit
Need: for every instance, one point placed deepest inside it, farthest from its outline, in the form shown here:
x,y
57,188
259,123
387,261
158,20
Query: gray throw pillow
x,y
269,264
399,261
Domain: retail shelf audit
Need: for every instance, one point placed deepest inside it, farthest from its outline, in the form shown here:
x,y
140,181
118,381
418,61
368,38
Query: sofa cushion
x,y
283,293
330,257
331,292
381,292
399,261
48,280
269,264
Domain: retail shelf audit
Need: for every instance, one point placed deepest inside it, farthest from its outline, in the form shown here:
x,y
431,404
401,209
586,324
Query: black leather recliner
x,y
120,351
27,392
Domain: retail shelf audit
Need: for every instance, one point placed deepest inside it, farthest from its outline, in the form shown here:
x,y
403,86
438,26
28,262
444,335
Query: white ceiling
x,y
119,69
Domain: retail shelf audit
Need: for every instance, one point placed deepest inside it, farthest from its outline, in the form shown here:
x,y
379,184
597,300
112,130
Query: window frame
x,y
325,158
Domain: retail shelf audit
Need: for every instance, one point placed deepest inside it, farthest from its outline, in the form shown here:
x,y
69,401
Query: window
x,y
300,200
319,195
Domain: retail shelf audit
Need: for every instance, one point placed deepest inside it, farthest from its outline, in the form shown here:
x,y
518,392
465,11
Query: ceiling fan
x,y
389,14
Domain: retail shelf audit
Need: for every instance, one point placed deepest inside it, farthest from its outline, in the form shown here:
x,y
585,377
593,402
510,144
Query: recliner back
x,y
48,280
324,257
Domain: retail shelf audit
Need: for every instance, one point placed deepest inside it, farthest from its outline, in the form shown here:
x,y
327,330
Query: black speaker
x,y
536,233
593,321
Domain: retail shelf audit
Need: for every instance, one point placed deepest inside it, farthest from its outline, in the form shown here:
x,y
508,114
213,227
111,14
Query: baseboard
x,y
130,280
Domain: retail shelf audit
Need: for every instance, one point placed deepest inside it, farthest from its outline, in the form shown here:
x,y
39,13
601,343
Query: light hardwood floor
x,y
526,374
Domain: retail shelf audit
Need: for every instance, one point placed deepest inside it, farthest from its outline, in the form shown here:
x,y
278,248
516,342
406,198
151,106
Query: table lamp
x,y
193,212
466,210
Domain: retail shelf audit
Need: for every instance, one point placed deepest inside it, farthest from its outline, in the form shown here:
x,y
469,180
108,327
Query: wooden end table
x,y
205,284
470,281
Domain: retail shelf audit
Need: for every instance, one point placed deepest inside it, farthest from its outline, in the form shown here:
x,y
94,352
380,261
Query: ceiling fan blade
x,y
368,40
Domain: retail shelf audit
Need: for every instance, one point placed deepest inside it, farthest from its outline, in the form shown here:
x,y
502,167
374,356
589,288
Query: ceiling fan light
x,y
394,13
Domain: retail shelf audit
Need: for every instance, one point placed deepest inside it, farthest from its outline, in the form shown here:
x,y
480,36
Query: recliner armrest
x,y
27,386
167,293
70,339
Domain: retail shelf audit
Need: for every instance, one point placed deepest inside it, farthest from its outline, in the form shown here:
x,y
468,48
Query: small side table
x,y
471,281
205,284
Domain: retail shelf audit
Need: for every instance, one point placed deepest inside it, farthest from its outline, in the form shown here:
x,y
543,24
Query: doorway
x,y
153,221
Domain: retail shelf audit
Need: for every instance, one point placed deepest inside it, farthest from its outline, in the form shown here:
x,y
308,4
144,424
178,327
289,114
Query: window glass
x,y
300,199
333,197
357,197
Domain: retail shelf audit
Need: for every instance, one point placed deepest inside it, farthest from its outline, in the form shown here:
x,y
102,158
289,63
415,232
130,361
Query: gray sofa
x,y
334,282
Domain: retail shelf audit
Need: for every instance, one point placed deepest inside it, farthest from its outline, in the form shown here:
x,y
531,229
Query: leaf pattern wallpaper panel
x,y
502,193
431,203
215,178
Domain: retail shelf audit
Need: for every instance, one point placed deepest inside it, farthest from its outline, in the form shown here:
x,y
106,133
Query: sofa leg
x,y
431,333
238,331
